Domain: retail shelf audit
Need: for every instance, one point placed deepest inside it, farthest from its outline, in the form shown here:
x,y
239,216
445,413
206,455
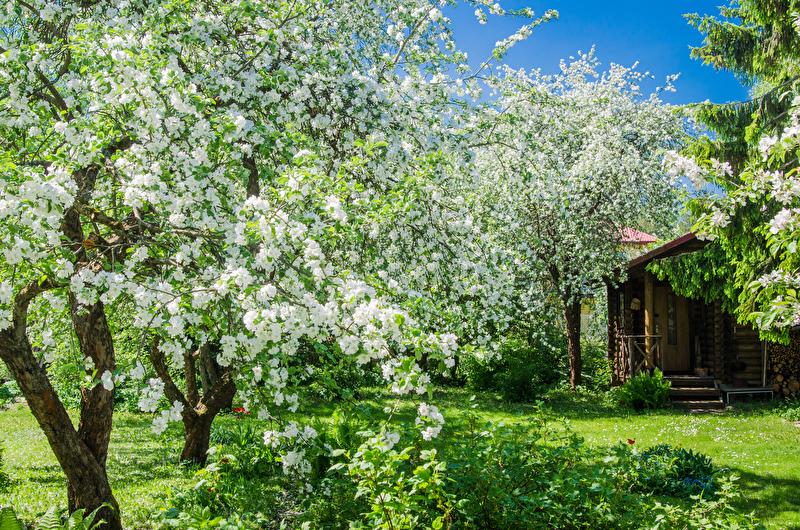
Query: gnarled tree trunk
x,y
199,410
82,452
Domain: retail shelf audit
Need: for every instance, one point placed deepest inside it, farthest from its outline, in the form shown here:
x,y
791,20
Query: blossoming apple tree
x,y
233,180
568,160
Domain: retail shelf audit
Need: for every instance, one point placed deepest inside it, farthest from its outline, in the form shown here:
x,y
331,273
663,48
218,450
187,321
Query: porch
x,y
651,326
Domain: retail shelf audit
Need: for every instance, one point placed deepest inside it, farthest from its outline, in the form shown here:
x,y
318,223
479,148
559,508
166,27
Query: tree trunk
x,y
197,421
198,411
572,317
196,437
87,482
97,409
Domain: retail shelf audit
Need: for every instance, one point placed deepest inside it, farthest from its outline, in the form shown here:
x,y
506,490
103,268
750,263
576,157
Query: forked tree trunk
x,y
81,453
97,403
572,318
199,411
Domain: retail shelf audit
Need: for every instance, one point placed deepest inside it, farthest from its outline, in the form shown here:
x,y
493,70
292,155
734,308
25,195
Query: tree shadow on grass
x,y
768,496
45,474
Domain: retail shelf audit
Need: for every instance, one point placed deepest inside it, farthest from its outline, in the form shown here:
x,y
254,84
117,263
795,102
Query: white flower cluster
x,y
291,440
173,414
6,297
151,395
430,419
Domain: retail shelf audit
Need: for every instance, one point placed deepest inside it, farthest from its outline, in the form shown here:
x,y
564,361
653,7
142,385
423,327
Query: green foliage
x,y
645,391
336,376
596,366
52,520
521,372
758,41
667,470
9,521
77,520
244,486
405,489
9,391
5,481
789,409
477,474
754,39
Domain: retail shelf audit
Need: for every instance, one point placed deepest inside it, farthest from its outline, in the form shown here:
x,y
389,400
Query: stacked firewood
x,y
784,367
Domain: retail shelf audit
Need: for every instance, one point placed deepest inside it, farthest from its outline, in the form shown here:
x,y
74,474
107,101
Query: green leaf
x,y
9,521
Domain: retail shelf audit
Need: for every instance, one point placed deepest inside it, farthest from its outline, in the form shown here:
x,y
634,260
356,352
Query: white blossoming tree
x,y
234,179
568,160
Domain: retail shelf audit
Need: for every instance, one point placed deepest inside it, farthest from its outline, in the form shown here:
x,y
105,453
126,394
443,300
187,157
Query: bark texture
x,y
199,410
82,452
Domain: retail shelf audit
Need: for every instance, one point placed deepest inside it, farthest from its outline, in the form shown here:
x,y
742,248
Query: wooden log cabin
x,y
709,357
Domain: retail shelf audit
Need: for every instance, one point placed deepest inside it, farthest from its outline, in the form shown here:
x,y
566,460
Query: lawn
x,y
762,448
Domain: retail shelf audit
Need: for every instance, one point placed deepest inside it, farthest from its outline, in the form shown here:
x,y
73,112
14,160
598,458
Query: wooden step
x,y
684,381
690,392
700,405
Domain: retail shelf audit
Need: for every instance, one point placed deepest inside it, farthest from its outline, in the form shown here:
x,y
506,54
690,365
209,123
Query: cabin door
x,y
672,323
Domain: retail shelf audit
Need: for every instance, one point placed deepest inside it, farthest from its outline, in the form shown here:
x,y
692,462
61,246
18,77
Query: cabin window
x,y
672,320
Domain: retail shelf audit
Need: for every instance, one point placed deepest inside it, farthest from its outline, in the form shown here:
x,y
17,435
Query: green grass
x,y
762,448
140,466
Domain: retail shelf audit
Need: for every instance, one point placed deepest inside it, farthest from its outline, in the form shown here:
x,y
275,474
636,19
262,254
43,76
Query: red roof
x,y
631,236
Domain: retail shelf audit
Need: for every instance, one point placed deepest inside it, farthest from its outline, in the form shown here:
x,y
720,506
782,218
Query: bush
x,y
335,377
244,485
523,369
476,475
645,391
789,409
9,391
596,366
667,470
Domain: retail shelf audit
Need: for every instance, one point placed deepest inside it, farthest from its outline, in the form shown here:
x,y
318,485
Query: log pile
x,y
784,367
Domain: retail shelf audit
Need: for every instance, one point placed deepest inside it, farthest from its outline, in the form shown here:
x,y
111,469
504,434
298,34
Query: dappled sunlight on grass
x,y
759,446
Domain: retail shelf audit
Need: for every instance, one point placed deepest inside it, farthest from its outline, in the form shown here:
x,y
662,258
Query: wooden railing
x,y
640,353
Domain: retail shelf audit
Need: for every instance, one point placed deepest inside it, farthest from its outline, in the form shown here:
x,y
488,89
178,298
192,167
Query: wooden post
x,y
719,338
614,332
631,357
649,312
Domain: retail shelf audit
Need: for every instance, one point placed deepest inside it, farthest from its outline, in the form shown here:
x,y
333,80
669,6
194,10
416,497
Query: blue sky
x,y
623,31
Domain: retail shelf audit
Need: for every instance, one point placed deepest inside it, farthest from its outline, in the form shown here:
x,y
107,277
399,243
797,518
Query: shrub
x,y
789,409
475,475
244,485
9,391
667,470
335,377
523,369
596,366
645,391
